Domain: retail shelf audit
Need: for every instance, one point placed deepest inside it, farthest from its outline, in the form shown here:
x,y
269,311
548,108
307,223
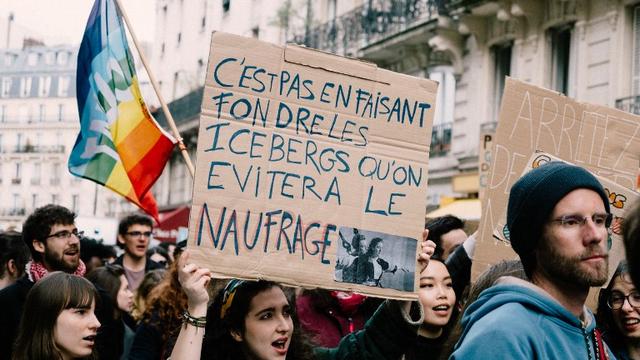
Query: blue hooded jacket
x,y
517,320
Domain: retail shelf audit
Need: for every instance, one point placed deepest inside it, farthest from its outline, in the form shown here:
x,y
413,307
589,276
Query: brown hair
x,y
166,303
149,282
108,278
56,292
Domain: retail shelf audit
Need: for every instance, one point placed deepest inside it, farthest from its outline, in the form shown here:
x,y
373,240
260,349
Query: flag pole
x,y
156,88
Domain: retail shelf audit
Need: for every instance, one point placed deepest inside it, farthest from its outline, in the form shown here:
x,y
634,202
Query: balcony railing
x,y
19,211
38,119
49,149
440,140
35,181
367,24
629,104
54,182
16,181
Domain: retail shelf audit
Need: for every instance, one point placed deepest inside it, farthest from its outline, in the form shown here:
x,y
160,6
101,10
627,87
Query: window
x,y
443,118
34,201
24,113
111,207
179,39
42,112
32,59
6,86
16,203
25,86
37,172
18,174
55,174
44,86
60,112
332,9
226,4
8,59
74,203
63,57
255,32
635,86
0,143
3,113
19,142
201,69
63,86
49,57
55,199
560,59
502,58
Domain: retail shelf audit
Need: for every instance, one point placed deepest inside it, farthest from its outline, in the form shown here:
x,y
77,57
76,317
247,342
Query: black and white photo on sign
x,y
375,259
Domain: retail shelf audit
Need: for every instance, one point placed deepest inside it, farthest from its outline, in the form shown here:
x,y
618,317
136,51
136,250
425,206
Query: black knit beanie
x,y
533,197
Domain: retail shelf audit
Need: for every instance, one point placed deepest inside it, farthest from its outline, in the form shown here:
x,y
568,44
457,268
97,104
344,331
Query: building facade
x,y
585,49
182,45
38,127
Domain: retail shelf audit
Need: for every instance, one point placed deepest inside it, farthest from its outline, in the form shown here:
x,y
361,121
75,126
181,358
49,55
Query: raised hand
x,y
427,248
194,281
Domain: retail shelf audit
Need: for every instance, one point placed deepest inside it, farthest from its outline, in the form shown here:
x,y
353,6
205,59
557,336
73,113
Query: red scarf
x,y
37,270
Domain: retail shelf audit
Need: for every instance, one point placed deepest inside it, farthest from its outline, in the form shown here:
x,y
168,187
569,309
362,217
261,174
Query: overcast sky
x,y
63,21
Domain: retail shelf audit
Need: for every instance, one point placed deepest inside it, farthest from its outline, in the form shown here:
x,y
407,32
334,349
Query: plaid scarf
x,y
37,271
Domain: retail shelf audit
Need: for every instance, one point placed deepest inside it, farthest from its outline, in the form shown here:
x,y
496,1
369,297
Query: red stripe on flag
x,y
150,167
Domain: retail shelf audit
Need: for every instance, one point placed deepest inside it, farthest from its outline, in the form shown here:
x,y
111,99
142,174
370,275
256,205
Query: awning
x,y
466,209
172,223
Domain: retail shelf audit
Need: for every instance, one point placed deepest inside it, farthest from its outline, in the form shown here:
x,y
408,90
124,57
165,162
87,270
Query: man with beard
x,y
134,234
54,243
558,218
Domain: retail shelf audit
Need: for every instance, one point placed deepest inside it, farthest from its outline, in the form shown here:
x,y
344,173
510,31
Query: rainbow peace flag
x,y
120,145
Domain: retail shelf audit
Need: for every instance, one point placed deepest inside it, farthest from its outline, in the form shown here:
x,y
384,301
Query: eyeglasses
x,y
66,234
616,300
137,234
576,221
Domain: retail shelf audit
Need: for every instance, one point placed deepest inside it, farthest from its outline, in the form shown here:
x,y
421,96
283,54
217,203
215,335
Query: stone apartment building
x,y
38,127
586,49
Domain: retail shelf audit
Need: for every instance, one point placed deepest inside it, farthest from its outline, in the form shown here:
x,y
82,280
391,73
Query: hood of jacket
x,y
513,290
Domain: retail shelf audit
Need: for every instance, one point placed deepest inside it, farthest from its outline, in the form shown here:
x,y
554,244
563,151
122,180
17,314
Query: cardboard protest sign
x,y
484,161
606,141
311,169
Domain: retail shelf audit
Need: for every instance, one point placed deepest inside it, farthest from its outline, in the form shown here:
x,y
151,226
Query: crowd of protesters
x,y
66,296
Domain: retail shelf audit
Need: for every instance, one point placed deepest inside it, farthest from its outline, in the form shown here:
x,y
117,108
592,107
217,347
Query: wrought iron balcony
x,y
460,6
440,140
16,211
49,149
629,104
365,25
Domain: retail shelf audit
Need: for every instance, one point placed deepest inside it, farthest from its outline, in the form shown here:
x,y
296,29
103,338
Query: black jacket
x,y
148,266
12,299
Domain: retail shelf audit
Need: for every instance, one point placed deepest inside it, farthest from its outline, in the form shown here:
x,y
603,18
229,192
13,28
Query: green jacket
x,y
387,334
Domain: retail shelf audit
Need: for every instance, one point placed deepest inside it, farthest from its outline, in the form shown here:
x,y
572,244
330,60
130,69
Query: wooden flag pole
x,y
156,88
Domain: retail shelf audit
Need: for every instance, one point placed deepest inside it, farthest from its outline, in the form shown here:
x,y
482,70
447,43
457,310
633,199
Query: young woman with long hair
x,y
161,320
618,315
112,280
58,321
256,320
438,300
